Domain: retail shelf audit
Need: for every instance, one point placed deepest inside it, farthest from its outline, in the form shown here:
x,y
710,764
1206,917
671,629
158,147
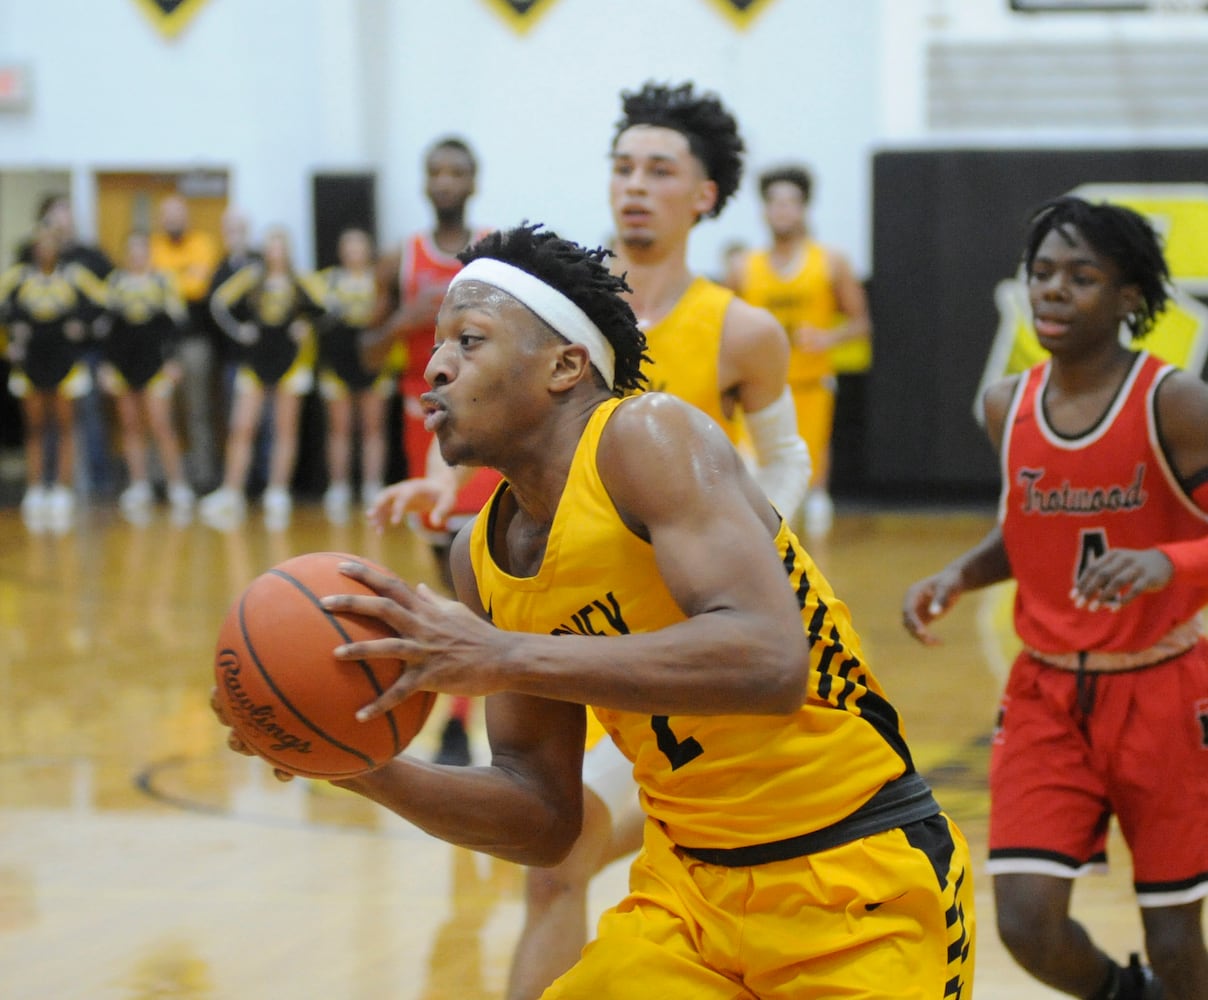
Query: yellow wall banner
x,y
169,16
521,14
741,12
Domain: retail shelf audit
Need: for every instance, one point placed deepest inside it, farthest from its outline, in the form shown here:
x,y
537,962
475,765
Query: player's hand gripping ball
x,y
286,696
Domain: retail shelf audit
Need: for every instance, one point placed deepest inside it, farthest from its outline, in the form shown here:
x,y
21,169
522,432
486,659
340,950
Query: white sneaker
x,y
181,496
819,513
33,506
60,504
277,502
337,501
136,497
369,491
222,508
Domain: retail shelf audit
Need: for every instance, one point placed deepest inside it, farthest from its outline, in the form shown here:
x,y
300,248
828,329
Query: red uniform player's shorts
x,y
1071,750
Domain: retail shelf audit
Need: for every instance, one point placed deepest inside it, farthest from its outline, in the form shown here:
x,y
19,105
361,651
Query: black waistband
x,y
907,799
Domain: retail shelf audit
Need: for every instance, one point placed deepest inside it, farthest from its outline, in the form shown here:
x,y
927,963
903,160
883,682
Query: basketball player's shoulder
x,y
1181,407
996,402
639,430
748,329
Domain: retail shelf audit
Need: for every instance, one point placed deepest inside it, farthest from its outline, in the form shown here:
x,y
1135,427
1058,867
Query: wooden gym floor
x,y
140,859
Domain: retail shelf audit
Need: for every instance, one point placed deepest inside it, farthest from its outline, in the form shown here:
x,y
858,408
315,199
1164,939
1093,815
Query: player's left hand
x,y
441,643
233,740
1120,576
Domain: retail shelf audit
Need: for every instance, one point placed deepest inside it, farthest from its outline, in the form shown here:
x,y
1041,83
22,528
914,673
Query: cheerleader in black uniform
x,y
47,306
143,316
347,293
267,308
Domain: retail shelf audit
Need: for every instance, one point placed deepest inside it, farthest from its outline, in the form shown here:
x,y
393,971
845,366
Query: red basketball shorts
x,y
1072,751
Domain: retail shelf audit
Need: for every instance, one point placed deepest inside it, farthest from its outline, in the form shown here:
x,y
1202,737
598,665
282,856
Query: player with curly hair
x,y
630,562
676,157
1103,524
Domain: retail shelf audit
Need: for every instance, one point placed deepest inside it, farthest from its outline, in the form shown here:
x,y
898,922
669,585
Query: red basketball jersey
x,y
1067,500
424,264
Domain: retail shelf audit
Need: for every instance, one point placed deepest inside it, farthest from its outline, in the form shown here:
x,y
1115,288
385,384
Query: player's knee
x,y
1173,941
1024,929
544,887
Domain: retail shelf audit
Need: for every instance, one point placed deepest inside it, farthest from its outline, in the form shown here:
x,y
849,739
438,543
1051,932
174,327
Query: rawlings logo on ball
x,y
260,717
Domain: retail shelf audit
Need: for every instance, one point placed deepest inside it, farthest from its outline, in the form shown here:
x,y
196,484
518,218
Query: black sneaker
x,y
454,745
1142,983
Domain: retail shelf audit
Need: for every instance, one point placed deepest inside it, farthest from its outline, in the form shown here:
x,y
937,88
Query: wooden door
x,y
130,199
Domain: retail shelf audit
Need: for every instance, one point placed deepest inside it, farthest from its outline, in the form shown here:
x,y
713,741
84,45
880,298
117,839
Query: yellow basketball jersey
x,y
712,781
684,347
804,298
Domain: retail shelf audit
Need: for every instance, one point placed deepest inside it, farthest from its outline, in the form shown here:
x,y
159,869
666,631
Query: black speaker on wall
x,y
341,201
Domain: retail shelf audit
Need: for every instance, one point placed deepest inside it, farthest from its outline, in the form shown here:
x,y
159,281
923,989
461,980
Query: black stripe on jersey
x,y
933,837
845,671
834,647
802,590
874,708
884,720
826,667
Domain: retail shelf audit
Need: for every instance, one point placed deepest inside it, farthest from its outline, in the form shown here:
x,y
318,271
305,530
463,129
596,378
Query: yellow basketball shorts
x,y
887,916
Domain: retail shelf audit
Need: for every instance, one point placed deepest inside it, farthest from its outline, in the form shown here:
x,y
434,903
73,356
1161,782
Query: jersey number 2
x,y
677,752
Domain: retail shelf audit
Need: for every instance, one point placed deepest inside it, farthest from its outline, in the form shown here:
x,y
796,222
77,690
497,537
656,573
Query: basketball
x,y
284,693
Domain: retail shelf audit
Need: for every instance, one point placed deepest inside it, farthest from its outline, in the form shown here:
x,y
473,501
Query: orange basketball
x,y
285,694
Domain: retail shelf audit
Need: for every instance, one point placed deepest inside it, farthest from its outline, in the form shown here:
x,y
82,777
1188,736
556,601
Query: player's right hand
x,y
928,600
420,310
431,495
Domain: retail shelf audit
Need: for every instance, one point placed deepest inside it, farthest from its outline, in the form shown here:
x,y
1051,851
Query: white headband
x,y
547,302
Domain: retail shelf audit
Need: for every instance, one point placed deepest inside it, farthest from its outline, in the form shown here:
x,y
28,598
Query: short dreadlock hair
x,y
702,119
582,276
1123,236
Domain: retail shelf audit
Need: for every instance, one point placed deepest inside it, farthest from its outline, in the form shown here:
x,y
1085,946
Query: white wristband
x,y
783,466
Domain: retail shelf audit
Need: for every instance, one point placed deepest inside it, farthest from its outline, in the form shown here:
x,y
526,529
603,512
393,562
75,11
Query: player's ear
x,y
1130,300
706,197
571,365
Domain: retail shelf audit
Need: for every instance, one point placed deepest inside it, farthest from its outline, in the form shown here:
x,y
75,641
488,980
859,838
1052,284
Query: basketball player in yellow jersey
x,y
630,562
814,293
676,159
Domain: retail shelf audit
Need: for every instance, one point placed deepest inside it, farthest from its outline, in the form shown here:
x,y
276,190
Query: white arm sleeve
x,y
782,460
